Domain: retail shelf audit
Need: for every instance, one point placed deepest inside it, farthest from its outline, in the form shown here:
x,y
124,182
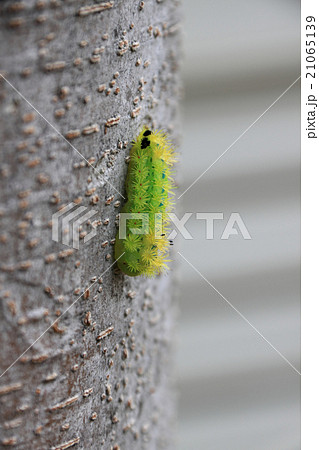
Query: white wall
x,y
235,391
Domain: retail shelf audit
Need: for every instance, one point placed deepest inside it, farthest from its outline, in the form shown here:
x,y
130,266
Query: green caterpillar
x,y
148,185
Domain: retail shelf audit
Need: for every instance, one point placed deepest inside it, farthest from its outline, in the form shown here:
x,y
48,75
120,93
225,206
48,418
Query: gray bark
x,y
79,68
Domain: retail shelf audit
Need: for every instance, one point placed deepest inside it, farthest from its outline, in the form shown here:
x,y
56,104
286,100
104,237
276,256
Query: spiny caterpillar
x,y
148,185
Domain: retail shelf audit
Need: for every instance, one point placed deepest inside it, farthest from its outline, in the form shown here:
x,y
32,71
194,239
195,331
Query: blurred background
x,y
235,391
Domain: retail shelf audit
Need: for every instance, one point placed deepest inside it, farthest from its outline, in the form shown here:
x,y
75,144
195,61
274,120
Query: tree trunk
x,y
94,73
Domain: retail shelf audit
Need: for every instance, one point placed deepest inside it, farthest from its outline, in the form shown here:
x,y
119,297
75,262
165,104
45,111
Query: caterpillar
x,y
143,250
